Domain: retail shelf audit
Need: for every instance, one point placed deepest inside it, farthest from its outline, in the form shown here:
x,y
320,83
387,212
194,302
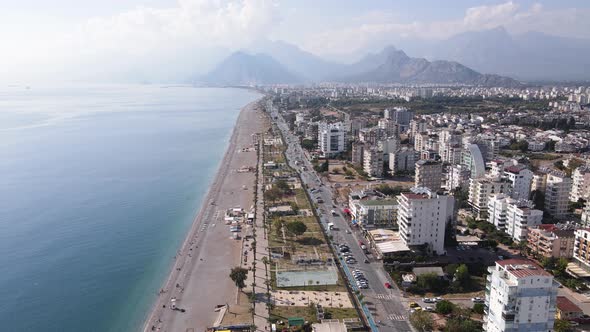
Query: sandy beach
x,y
199,277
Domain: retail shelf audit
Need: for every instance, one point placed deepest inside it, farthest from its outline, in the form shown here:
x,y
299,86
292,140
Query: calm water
x,y
98,187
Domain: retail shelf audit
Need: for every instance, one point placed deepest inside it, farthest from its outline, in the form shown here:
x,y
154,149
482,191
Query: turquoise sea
x,y
98,187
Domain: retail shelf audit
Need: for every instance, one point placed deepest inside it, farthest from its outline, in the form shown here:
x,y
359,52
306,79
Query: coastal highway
x,y
387,308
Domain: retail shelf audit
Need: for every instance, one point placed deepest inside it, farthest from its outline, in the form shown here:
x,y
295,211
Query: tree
x,y
422,321
278,226
562,325
538,199
308,144
462,275
272,194
431,282
239,275
478,308
283,186
296,228
444,307
457,324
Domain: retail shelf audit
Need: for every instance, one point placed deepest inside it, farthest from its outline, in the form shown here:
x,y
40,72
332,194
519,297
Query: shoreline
x,y
184,260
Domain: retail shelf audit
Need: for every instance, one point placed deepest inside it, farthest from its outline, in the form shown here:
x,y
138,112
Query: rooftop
x,y
564,304
375,202
521,268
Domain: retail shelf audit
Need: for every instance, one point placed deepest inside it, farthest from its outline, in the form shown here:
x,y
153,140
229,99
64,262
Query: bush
x,y
444,307
478,308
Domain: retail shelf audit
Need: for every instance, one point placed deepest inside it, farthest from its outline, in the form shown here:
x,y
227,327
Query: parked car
x,y
477,300
428,300
387,285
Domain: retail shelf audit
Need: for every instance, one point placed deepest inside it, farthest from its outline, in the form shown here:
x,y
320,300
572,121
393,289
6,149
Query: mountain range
x,y
288,64
476,57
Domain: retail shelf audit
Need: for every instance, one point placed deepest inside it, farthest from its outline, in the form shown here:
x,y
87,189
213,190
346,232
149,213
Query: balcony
x,y
508,316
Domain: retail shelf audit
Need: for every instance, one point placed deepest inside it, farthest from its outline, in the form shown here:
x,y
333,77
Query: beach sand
x,y
199,278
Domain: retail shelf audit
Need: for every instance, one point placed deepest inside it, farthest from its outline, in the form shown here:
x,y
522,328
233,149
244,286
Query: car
x,y
477,300
414,305
387,285
429,309
366,261
428,300
438,299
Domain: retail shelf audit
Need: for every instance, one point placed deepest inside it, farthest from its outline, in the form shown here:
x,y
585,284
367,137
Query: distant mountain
x,y
529,56
395,66
308,66
246,69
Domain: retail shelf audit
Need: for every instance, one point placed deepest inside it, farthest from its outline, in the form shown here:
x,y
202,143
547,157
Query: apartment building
x,y
357,153
481,189
473,159
450,147
457,177
497,208
403,160
373,162
557,193
373,214
520,215
580,184
547,240
512,216
521,179
582,249
520,296
331,138
423,216
428,174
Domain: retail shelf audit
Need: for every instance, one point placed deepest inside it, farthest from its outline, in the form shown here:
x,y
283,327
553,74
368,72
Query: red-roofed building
x,y
549,241
567,310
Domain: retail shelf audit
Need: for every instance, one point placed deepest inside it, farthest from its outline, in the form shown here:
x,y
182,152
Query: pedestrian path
x,y
384,296
397,317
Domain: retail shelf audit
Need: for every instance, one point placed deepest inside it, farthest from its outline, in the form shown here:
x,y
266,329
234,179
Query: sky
x,y
113,39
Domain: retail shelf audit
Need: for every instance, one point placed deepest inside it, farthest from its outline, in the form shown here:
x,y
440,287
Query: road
x,y
386,307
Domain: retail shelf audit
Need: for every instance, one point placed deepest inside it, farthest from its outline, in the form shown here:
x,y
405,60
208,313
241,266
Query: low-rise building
x,y
567,310
386,243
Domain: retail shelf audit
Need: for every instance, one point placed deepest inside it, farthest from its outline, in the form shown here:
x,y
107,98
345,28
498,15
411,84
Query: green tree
x,y
282,186
478,308
431,282
296,228
239,275
562,325
422,321
272,194
444,307
309,144
462,276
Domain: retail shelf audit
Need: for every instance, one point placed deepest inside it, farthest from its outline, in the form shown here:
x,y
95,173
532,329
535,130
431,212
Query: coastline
x,y
188,254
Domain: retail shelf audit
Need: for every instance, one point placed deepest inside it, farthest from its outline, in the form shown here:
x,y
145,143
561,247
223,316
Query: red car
x,y
387,285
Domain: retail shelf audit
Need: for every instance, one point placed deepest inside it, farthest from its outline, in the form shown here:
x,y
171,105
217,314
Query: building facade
x,y
481,189
557,193
331,138
373,162
549,241
428,174
422,218
520,296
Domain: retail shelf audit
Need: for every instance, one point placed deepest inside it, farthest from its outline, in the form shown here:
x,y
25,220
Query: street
x,y
386,308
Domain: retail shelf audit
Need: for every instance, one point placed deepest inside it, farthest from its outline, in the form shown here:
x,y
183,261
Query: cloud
x,y
188,33
361,34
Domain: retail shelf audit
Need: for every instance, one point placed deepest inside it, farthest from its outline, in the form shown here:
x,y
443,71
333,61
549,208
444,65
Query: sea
x,y
99,185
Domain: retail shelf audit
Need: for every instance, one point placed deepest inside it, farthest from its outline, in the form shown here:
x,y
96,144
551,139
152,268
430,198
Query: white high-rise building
x,y
449,147
423,216
580,184
331,138
520,215
457,177
557,192
520,296
497,207
521,179
481,189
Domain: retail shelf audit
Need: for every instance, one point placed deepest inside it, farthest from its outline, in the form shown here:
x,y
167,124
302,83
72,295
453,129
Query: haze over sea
x,y
98,187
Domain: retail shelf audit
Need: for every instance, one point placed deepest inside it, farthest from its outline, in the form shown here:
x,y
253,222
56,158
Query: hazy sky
x,y
84,39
